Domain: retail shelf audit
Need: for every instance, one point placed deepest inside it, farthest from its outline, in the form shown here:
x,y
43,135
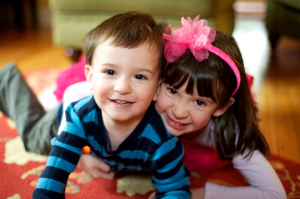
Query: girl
x,y
205,99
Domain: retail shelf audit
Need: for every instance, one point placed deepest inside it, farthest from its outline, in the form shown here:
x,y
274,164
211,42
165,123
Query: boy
x,y
124,61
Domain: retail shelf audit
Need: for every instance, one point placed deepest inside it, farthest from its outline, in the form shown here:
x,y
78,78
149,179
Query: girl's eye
x,y
199,103
172,91
140,77
110,72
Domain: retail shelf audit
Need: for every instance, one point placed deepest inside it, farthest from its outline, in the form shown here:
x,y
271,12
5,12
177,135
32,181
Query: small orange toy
x,y
86,150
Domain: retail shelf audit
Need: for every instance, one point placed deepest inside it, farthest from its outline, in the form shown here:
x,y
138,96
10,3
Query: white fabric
x,y
73,93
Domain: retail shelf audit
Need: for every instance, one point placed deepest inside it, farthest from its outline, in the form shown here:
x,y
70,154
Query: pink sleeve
x,y
260,175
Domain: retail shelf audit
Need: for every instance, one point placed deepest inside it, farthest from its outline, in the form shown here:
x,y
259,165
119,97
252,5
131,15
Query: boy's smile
x,y
124,80
121,103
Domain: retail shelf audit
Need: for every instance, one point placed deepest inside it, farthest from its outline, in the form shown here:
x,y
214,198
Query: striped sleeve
x,y
170,176
63,158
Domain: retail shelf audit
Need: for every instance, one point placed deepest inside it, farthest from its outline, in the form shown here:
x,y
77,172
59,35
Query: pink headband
x,y
196,36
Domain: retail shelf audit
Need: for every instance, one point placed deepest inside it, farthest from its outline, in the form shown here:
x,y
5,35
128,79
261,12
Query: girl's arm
x,y
260,175
256,170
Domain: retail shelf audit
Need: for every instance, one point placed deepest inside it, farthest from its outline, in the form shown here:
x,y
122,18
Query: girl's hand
x,y
198,193
94,168
152,195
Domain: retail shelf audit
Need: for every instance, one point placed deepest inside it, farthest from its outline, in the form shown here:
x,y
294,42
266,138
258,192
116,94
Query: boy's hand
x,y
94,168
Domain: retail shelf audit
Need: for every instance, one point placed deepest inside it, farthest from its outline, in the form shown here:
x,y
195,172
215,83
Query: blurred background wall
x,y
24,13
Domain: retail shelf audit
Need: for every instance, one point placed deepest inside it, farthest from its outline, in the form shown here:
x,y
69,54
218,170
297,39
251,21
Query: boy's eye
x,y
140,77
110,72
199,103
172,91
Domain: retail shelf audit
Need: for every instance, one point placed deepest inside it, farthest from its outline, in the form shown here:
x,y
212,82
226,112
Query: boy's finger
x,y
90,176
103,166
108,176
99,164
100,174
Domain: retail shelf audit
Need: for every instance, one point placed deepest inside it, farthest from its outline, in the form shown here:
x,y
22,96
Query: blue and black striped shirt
x,y
149,147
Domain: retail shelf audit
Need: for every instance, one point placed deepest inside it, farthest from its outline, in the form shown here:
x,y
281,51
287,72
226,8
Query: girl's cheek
x,y
158,105
162,103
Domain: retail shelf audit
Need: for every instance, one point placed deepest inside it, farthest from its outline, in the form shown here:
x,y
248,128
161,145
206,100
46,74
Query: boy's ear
x,y
89,75
157,91
223,108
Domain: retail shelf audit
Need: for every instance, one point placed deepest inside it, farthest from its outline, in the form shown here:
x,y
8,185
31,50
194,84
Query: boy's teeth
x,y
122,102
178,123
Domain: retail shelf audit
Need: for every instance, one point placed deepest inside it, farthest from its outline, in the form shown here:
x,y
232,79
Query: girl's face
x,y
183,113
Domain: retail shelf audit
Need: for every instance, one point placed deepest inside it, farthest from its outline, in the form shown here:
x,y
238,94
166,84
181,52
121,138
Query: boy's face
x,y
124,80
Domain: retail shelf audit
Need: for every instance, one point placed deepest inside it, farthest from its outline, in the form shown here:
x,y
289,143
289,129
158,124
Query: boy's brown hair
x,y
126,30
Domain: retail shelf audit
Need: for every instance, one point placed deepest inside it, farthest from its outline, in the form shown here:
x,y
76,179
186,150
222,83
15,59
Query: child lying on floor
x,y
119,122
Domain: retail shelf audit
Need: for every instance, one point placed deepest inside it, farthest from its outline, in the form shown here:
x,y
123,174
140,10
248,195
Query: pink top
x,y
256,170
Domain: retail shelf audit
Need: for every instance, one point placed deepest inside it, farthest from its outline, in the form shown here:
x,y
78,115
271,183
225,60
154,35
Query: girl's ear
x,y
89,75
223,108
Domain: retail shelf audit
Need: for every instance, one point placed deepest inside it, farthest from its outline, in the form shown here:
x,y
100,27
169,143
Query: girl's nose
x,y
122,87
180,109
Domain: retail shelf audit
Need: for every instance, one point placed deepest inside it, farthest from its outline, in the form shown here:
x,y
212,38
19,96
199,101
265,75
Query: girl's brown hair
x,y
126,30
215,79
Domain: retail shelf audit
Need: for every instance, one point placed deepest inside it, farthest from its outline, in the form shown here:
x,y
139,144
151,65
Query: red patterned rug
x,y
19,171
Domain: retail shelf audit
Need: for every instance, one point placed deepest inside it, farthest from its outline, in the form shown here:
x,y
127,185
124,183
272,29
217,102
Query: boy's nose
x,y
123,87
180,109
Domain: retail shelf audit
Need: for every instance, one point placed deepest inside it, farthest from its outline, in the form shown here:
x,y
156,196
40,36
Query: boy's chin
x,y
124,118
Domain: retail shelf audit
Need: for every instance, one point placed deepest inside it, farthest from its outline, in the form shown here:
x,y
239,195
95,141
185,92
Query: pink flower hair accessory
x,y
197,36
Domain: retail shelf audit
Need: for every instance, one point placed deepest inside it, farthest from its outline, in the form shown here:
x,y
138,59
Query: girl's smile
x,y
183,113
175,124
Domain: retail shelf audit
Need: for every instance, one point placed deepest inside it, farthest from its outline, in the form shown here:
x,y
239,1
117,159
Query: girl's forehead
x,y
195,94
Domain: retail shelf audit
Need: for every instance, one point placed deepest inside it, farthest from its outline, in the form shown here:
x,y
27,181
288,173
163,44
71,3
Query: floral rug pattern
x,y
19,170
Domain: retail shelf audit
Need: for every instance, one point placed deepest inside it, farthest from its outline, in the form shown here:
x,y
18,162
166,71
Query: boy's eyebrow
x,y
108,64
139,69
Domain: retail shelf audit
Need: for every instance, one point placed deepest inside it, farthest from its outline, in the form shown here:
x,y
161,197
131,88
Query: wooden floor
x,y
278,93
31,49
279,103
